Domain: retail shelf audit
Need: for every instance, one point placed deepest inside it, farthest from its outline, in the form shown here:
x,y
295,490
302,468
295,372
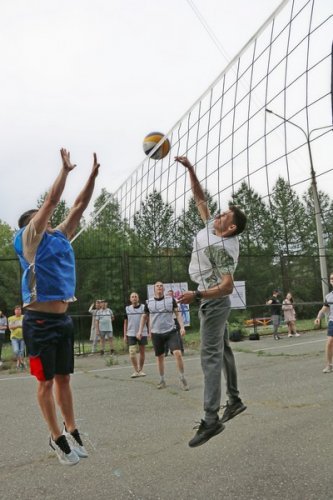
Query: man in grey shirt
x,y
161,310
213,263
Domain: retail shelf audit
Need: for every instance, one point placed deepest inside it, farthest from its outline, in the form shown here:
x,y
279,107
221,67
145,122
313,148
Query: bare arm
x,y
324,310
72,220
143,320
198,193
180,321
53,197
97,325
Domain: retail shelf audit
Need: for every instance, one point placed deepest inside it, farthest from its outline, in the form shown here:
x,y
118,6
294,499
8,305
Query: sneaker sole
x,y
203,441
64,462
240,410
68,463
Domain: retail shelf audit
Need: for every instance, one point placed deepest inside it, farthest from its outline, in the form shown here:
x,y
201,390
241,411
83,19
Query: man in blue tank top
x,y
48,286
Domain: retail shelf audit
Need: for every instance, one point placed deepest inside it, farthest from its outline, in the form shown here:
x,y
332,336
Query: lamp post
x,y
319,226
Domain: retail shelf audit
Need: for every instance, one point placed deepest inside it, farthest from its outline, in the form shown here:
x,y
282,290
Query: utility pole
x,y
319,226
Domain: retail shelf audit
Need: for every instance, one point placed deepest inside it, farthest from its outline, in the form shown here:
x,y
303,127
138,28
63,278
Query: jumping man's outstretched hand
x,y
95,167
66,160
184,161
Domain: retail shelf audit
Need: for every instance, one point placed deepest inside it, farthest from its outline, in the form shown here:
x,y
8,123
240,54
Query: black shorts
x,y
49,338
160,339
134,341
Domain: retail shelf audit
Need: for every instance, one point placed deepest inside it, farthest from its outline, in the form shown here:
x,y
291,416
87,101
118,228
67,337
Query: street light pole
x,y
319,226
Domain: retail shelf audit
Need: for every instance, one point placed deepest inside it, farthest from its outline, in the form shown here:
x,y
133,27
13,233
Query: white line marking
x,y
290,345
187,360
95,370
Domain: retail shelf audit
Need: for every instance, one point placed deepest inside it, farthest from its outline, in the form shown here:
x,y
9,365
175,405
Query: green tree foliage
x,y
257,239
289,219
99,255
256,247
279,248
9,270
154,224
190,222
326,210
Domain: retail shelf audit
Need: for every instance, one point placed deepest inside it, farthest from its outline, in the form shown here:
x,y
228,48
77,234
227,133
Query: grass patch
x,y
112,361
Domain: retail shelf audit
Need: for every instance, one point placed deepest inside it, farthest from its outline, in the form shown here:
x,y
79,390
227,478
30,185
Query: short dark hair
x,y
239,219
25,218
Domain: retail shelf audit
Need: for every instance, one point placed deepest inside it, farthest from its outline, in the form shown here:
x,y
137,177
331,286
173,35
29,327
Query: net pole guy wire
x,y
178,123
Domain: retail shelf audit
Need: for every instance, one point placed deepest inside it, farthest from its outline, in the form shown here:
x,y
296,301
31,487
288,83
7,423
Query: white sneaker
x,y
141,373
1,363
135,375
63,451
161,385
289,335
297,334
75,442
328,369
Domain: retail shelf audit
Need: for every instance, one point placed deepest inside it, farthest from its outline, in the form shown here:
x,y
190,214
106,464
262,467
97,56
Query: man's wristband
x,y
198,295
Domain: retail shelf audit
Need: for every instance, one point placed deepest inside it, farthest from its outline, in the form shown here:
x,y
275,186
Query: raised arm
x,y
72,220
198,193
52,199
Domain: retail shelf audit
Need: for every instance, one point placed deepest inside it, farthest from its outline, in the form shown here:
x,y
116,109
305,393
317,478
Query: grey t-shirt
x,y
104,318
133,316
160,312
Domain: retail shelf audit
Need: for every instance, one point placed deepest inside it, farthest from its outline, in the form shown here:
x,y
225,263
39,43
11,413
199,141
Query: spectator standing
x,y
133,314
275,304
104,330
95,306
160,310
3,328
328,309
16,336
290,315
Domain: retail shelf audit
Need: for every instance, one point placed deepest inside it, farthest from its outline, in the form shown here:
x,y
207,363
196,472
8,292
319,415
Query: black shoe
x,y
101,352
232,411
205,432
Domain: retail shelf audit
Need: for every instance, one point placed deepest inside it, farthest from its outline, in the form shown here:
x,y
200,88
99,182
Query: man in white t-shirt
x,y
213,263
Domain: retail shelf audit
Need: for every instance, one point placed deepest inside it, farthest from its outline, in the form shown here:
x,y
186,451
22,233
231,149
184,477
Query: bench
x,y
257,322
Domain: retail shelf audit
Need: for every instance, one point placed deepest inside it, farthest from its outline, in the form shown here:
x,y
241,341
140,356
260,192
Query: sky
x,y
97,76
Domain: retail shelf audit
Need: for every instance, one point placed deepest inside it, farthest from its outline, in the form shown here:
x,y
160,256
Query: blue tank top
x,y
52,275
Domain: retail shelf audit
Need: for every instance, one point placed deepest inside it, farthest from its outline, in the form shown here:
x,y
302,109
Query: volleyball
x,y
150,142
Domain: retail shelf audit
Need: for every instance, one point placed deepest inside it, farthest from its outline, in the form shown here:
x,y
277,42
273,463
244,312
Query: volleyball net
x,y
259,137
